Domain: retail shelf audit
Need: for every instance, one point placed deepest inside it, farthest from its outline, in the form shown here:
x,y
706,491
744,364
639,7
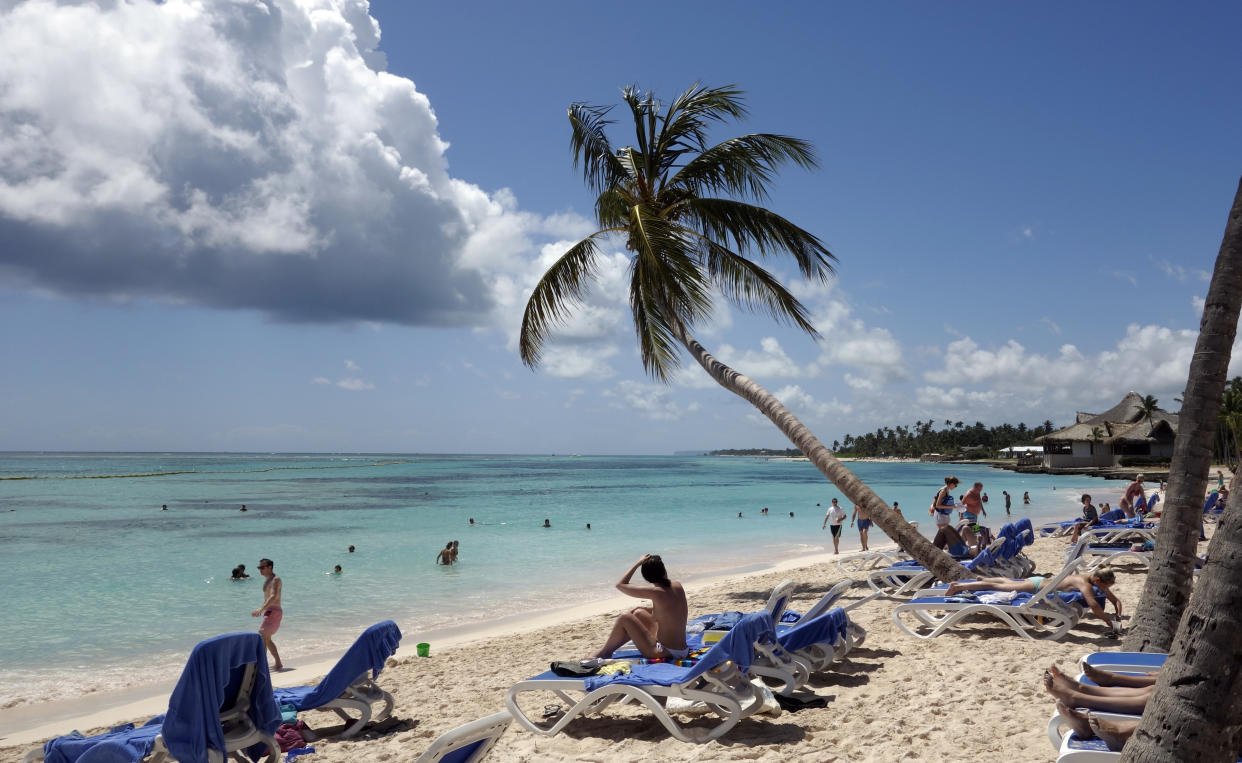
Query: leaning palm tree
x,y
691,218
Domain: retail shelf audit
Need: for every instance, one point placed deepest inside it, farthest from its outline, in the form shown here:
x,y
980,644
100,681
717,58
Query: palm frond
x,y
656,344
690,114
643,109
556,294
612,207
749,286
743,166
742,226
591,149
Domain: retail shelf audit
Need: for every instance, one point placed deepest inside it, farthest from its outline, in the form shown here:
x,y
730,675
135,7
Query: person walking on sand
x,y
835,515
270,610
864,524
659,631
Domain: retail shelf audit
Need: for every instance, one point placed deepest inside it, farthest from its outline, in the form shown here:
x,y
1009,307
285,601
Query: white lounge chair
x,y
1047,614
469,742
871,560
717,679
350,685
221,704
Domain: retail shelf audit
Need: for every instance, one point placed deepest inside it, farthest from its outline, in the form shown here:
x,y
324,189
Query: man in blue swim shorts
x,y
864,524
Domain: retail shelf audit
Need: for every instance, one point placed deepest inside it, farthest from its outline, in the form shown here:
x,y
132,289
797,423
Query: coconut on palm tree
x,y
690,215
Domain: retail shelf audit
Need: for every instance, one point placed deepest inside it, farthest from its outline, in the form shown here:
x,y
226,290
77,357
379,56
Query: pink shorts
x,y
271,620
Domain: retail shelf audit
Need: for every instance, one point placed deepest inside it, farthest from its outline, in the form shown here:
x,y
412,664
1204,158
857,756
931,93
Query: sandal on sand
x,y
551,711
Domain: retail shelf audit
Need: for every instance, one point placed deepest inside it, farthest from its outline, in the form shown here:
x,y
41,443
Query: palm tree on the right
x,y
690,215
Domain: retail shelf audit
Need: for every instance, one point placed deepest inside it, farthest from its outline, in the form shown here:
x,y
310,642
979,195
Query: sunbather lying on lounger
x,y
1111,693
1104,578
658,630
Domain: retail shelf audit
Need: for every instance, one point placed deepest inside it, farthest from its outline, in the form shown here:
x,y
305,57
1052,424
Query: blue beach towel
x,y
737,645
369,652
123,744
826,628
211,678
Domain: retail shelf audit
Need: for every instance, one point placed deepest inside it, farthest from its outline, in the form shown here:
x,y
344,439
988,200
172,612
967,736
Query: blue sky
x,y
312,225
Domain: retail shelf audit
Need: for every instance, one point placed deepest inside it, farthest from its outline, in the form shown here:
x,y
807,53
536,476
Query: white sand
x,y
973,694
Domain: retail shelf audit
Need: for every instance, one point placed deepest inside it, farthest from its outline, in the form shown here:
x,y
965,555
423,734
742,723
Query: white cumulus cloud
x,y
250,155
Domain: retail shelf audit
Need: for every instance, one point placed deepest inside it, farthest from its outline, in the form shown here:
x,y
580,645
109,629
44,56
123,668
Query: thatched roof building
x,y
1102,439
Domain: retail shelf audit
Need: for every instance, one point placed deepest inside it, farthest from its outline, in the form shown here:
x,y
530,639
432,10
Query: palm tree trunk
x,y
943,566
1167,589
1195,712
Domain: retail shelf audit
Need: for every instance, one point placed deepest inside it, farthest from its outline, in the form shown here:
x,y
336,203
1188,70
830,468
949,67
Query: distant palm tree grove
x,y
953,438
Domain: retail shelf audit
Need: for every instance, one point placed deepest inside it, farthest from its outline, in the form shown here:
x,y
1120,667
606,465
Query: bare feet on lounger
x,y
1077,720
1114,733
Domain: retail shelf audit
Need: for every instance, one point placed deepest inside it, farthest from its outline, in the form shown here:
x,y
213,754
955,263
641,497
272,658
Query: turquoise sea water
x,y
104,590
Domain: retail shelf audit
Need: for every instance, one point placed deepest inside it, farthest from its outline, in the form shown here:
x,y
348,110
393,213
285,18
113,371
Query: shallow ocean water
x,y
104,590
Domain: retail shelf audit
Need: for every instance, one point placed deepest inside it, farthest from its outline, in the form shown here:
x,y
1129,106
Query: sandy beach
x,y
975,692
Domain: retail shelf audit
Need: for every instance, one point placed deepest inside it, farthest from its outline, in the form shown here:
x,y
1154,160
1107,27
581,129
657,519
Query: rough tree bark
x,y
1195,712
1167,589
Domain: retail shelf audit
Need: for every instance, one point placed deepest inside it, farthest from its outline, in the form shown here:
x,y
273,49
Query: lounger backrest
x,y
779,599
827,628
737,645
827,600
368,653
1113,515
212,679
468,743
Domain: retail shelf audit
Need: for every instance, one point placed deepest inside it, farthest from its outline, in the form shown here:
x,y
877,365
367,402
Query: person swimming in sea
x,y
239,572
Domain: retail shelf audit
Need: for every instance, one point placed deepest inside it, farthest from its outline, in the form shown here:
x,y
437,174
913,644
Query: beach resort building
x,y
1103,439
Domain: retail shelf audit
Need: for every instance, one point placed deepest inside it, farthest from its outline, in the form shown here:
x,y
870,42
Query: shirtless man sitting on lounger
x,y
1103,578
659,631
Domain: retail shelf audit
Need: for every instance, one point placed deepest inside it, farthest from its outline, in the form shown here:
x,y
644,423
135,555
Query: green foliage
x,y
1228,445
689,215
953,438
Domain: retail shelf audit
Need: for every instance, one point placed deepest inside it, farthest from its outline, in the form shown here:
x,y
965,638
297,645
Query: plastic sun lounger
x,y
717,679
1047,614
871,560
825,603
822,640
221,704
469,742
905,579
350,685
1124,662
1095,555
1075,749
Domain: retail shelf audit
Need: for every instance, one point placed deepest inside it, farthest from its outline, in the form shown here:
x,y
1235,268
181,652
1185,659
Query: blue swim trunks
x,y
864,524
